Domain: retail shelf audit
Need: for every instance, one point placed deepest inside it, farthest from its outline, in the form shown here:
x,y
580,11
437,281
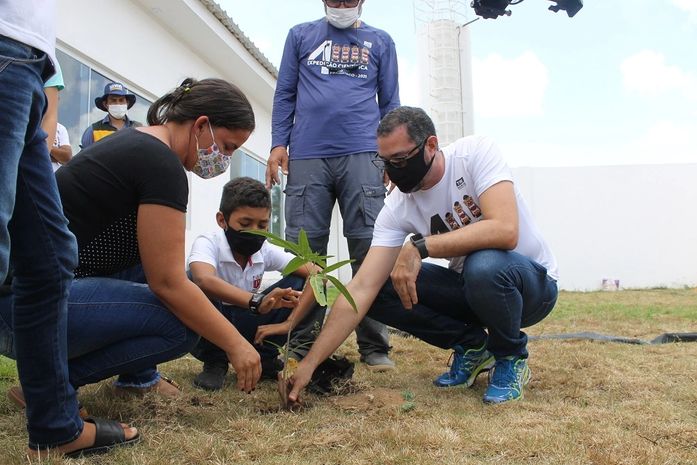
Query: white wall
x,y
632,223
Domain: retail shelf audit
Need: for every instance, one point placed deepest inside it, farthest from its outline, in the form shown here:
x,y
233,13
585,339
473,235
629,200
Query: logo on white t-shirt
x,y
256,281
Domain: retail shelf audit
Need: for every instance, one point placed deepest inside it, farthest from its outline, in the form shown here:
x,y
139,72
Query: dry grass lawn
x,y
588,403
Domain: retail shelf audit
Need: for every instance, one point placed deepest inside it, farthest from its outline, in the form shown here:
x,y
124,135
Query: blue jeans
x,y
34,232
247,323
498,291
114,327
148,376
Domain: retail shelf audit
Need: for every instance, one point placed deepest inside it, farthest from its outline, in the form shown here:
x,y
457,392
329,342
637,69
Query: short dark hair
x,y
419,125
243,192
224,104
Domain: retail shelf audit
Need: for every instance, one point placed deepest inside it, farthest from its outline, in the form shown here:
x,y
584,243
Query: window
x,y
244,164
76,110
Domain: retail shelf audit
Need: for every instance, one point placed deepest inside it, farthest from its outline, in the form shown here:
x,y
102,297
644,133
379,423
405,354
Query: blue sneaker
x,y
466,366
510,375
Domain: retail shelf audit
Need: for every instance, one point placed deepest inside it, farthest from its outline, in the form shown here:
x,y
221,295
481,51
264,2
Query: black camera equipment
x,y
492,9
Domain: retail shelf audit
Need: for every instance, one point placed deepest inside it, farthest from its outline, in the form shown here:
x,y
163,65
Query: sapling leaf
x,y
339,285
332,294
317,284
293,265
337,265
275,240
304,244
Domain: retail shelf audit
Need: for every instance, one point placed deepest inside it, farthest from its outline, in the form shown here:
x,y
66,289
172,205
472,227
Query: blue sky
x,y
614,85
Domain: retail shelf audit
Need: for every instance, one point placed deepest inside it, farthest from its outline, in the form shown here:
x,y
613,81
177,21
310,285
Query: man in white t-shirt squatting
x,y
460,203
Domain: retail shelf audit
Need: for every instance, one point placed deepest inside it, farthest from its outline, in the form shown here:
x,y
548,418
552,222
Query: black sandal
x,y
108,435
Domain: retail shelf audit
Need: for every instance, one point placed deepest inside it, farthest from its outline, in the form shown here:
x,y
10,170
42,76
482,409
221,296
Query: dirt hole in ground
x,y
370,400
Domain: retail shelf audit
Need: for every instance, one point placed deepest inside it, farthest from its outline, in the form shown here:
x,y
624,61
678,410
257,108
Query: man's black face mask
x,y
408,178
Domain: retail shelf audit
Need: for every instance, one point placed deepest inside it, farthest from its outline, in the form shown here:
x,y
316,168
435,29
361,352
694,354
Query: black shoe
x,y
270,368
212,377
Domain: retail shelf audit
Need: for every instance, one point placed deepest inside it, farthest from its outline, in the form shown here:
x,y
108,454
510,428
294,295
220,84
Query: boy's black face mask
x,y
242,242
408,179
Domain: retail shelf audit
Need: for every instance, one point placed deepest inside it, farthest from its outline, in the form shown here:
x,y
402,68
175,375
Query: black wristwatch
x,y
255,302
420,244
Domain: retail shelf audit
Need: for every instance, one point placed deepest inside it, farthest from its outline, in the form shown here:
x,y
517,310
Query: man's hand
x,y
300,379
404,274
278,156
247,364
279,298
265,331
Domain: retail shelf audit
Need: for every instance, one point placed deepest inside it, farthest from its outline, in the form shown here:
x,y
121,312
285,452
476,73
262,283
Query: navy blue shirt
x,y
333,87
103,128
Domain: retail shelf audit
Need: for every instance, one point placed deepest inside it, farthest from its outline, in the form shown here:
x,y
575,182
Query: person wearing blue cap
x,y
116,101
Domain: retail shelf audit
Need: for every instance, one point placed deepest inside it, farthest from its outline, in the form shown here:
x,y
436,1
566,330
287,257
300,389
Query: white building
x,y
161,42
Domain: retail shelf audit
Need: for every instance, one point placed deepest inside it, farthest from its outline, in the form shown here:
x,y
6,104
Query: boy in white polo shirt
x,y
229,264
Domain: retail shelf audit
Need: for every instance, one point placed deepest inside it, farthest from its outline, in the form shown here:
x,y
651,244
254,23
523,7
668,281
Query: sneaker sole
x,y
486,366
379,368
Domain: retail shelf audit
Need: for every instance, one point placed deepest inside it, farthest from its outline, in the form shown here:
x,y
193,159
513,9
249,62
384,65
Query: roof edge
x,y
246,42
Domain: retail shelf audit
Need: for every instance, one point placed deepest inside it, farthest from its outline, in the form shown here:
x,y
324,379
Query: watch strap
x,y
255,302
420,244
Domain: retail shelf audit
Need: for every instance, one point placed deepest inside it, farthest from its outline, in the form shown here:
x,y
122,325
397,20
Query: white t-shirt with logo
x,y
472,165
213,248
32,22
62,139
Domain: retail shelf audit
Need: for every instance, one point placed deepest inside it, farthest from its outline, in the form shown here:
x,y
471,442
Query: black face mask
x,y
408,179
244,243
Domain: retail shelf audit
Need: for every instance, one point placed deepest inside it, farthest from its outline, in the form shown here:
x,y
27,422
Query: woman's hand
x,y
247,364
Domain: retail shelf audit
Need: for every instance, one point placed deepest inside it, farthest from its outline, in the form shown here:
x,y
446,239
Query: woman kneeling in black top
x,y
132,305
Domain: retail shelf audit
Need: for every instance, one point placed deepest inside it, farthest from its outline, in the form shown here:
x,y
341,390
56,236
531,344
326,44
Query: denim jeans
x,y
34,231
114,327
247,323
498,292
148,376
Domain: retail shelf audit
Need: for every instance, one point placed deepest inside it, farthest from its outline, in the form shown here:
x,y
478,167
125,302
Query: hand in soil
x,y
284,388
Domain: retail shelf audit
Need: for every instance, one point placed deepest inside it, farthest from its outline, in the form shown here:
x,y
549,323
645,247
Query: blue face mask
x,y
211,161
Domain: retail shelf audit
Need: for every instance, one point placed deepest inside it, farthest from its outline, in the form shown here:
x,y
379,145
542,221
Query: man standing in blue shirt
x,y
116,101
338,77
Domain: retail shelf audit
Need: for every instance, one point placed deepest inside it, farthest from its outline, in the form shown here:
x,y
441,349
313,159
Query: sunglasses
x,y
398,160
347,3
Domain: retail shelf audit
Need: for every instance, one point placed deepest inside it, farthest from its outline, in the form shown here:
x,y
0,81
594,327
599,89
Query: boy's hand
x,y
265,331
279,298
